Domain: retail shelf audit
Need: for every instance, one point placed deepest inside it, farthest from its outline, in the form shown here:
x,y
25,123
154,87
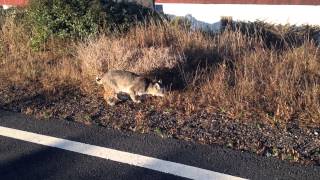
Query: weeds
x,y
239,73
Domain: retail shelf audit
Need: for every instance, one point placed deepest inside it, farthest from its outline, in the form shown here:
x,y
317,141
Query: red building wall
x,y
290,2
14,2
275,2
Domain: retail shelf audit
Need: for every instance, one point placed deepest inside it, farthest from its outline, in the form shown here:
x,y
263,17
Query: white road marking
x,y
118,156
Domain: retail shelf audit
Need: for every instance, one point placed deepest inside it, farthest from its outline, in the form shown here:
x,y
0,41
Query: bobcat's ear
x,y
160,81
157,86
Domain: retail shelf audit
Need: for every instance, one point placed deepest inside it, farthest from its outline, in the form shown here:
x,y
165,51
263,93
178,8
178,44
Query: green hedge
x,y
74,19
63,18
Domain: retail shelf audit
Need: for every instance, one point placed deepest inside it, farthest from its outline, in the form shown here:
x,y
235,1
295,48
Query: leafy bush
x,y
64,19
180,21
121,16
81,18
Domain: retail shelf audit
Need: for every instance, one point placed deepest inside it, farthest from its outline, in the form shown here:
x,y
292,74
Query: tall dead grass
x,y
105,53
279,87
241,75
233,72
21,65
148,49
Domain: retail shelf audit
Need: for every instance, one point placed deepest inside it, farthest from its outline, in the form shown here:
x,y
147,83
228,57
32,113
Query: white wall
x,y
6,6
279,14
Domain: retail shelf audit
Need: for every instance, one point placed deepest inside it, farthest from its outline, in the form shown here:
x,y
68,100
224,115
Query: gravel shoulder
x,y
293,143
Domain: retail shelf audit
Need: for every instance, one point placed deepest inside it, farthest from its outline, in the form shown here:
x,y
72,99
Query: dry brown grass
x,y
21,65
277,87
230,72
105,53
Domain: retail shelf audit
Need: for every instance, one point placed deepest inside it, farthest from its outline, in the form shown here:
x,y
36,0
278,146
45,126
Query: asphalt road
x,y
25,160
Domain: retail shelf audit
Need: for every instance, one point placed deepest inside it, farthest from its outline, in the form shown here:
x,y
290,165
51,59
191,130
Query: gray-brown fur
x,y
134,85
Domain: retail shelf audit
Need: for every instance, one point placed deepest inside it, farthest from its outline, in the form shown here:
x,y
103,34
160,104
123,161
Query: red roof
x,y
279,2
14,2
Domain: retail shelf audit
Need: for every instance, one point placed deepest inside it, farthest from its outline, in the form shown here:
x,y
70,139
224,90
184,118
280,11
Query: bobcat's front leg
x,y
134,97
110,97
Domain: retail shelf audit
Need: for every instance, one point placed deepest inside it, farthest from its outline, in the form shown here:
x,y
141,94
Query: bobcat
x,y
120,81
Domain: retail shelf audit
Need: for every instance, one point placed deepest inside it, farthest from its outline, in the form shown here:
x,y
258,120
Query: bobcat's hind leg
x,y
133,96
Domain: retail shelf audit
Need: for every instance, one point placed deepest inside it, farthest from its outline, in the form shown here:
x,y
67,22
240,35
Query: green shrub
x,y
74,19
63,19
121,16
180,21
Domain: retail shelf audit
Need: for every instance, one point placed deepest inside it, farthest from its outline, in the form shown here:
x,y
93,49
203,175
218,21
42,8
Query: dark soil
x,y
292,143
